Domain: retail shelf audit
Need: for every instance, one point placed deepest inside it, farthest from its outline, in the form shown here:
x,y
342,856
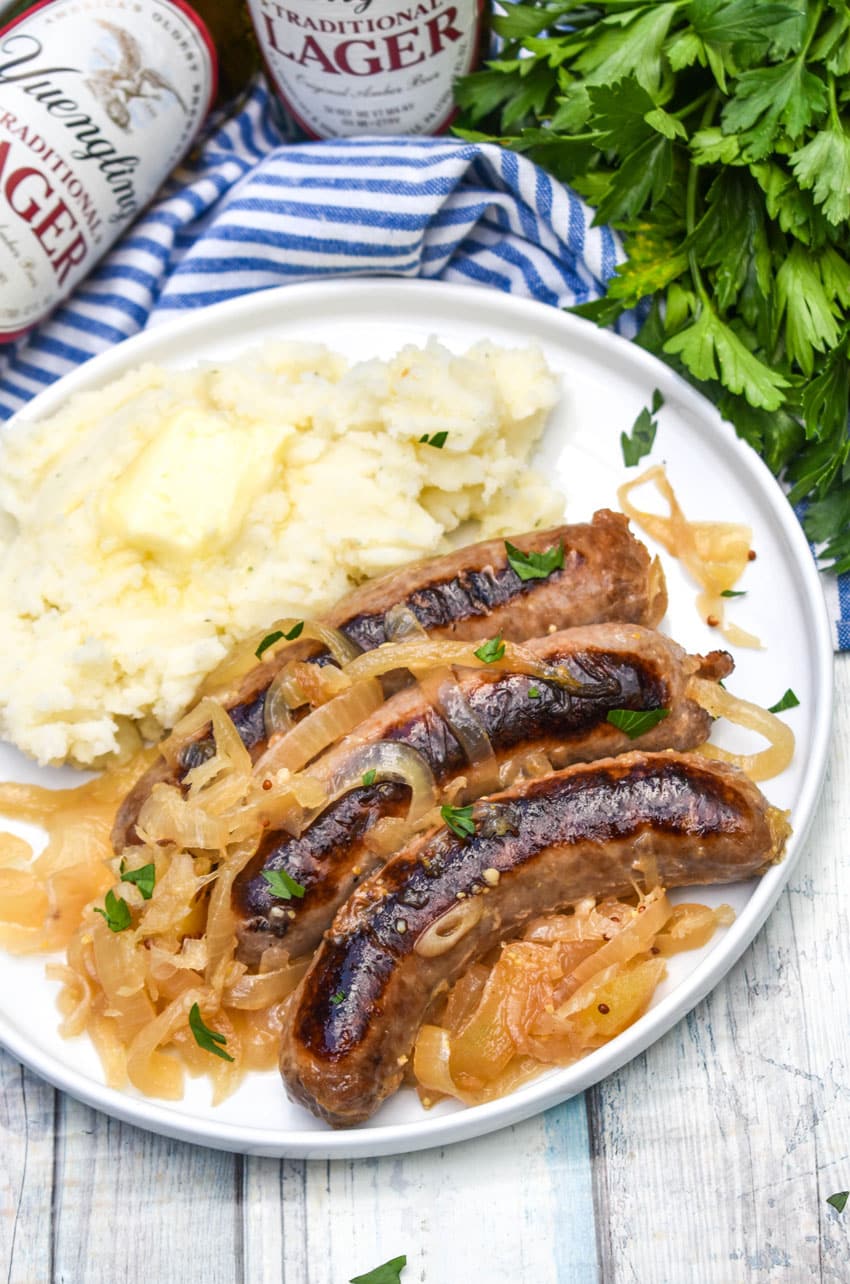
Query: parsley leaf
x,y
709,347
634,722
283,885
388,1273
535,566
117,912
839,1200
643,433
459,820
209,1040
534,693
491,651
788,701
437,439
823,165
144,878
337,998
271,638
369,776
733,593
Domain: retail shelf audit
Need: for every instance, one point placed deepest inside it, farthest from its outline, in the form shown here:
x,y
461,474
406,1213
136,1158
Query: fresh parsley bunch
x,y
714,135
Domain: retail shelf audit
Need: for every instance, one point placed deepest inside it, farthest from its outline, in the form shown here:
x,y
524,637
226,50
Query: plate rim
x,y
545,1091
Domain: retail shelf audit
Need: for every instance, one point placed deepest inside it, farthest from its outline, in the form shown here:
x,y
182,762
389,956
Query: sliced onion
x,y
422,654
389,761
323,727
253,993
720,703
166,816
225,677
401,625
443,934
635,938
277,719
715,553
443,692
431,1054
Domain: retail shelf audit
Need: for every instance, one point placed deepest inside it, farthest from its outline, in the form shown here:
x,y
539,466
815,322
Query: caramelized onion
x,y
277,719
451,927
224,680
388,761
253,993
323,727
442,691
401,625
422,654
635,938
719,702
715,553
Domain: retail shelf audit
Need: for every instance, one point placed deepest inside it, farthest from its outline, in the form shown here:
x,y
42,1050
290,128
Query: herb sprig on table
x,y
715,135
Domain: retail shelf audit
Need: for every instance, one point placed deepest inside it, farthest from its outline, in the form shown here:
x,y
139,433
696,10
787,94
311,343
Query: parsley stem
x,y
833,106
691,202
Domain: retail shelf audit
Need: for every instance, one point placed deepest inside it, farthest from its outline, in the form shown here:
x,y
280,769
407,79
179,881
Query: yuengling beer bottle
x,y
99,100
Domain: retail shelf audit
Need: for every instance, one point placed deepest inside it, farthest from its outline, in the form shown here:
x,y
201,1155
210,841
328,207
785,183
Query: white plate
x,y
606,381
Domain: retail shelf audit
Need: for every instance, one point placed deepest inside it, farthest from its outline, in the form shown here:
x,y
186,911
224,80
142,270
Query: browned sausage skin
x,y
536,848
632,667
471,593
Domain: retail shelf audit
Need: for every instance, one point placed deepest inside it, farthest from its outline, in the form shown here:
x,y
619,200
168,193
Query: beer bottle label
x,y
346,67
99,99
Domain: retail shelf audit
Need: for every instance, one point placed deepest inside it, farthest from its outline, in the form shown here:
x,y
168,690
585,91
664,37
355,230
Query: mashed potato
x,y
149,525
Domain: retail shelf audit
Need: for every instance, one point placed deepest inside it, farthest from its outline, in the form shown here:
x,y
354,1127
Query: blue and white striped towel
x,y
253,211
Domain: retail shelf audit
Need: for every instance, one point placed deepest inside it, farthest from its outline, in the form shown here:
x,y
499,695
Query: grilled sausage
x,y
536,848
474,593
627,665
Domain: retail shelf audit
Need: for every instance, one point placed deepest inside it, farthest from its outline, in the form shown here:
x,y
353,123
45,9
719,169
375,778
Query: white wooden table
x,y
709,1159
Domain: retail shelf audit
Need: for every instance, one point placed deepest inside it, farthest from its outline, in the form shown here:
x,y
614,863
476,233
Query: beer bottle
x,y
99,100
349,67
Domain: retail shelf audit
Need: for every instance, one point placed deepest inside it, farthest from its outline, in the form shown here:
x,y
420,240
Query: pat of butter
x,y
189,490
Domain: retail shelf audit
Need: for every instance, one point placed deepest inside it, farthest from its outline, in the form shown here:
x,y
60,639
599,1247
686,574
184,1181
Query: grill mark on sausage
x,y
443,605
553,842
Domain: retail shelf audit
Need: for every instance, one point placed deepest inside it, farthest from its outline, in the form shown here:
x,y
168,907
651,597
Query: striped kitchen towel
x,y
252,210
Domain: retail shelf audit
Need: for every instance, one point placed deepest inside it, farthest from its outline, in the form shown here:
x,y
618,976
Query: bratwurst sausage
x,y
471,593
444,901
626,666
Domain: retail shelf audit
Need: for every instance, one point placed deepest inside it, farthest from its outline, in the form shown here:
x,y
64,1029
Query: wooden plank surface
x,y
707,1159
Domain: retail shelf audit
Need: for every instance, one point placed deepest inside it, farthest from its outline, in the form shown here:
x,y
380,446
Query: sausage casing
x,y
643,670
536,848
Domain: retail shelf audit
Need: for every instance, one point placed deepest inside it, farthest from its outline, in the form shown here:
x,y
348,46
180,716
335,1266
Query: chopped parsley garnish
x,y
643,433
271,638
459,820
209,1040
535,566
839,1200
338,998
117,912
144,878
636,721
734,593
387,1273
437,439
282,884
788,701
492,650
369,776
534,693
